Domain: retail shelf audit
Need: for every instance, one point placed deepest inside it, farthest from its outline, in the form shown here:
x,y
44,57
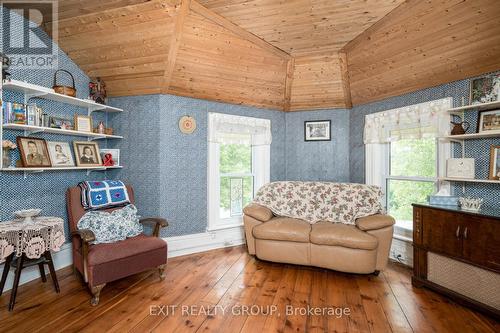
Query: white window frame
x,y
261,156
377,163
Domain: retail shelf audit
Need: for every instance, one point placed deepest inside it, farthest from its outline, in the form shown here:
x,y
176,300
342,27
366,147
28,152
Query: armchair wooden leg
x,y
96,292
161,269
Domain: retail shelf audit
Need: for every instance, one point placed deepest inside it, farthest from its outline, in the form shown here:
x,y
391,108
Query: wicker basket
x,y
64,90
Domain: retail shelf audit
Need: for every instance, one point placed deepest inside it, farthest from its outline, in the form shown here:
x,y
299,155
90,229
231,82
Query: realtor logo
x,y
25,40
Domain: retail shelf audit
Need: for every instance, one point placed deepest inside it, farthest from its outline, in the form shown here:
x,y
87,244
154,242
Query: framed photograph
x,y
34,152
58,122
115,155
488,121
461,168
317,130
495,162
485,89
87,154
60,154
83,123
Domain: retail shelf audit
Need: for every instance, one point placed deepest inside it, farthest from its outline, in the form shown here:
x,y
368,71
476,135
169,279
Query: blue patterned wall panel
x,y
478,149
44,190
167,168
322,160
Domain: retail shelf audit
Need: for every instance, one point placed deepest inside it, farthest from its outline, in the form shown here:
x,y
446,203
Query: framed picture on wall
x,y
60,154
83,123
495,162
317,130
488,121
34,152
485,89
87,154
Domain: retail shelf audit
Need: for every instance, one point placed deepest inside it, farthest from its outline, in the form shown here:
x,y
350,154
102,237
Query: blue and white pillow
x,y
114,226
101,194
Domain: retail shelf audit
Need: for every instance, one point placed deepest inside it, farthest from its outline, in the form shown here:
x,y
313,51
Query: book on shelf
x,y
21,114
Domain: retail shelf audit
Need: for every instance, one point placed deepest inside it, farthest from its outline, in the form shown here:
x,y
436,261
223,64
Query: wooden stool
x,y
23,262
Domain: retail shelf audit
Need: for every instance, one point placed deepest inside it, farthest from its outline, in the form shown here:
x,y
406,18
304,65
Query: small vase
x,y
6,158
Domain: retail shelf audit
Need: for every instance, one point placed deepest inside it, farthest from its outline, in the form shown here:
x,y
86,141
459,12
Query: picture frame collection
x,y
39,153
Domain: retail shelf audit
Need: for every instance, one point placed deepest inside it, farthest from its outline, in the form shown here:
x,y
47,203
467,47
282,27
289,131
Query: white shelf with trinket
x,y
35,91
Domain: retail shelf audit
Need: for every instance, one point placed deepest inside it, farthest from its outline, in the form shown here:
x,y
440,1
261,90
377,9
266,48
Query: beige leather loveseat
x,y
360,248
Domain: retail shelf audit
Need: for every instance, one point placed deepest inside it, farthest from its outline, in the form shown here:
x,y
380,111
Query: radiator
x,y
476,283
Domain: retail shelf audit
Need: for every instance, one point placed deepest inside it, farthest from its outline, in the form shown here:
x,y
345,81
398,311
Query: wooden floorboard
x,y
229,291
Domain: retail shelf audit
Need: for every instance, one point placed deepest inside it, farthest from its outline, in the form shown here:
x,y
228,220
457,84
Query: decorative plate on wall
x,y
187,124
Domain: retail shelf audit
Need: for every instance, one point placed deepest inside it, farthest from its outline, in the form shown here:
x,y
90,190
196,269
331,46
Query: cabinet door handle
x,y
458,232
465,233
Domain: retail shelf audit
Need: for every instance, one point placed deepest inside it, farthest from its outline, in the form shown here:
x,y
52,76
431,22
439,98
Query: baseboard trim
x,y
62,259
177,246
210,240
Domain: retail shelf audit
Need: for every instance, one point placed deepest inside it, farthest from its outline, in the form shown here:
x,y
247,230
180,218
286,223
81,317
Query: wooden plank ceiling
x,y
284,55
423,44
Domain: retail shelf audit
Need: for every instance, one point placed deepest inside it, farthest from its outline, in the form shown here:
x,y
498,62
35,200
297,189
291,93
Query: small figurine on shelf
x,y
108,160
101,129
97,91
7,146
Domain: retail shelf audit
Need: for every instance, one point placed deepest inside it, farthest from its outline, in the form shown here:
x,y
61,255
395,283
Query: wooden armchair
x,y
103,263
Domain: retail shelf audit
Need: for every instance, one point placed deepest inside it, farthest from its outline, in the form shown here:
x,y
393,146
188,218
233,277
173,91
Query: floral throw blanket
x,y
320,201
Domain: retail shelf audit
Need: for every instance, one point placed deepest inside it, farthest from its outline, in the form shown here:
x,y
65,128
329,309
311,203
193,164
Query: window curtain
x,y
229,129
417,121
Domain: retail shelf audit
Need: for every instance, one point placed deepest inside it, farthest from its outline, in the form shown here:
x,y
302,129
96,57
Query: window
x,y
405,158
412,177
238,165
235,179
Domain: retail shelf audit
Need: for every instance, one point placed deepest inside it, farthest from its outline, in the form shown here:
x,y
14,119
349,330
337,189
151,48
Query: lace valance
x,y
225,128
417,121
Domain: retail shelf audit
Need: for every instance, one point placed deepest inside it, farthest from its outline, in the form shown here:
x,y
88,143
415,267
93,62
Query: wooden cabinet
x,y
471,238
481,242
441,231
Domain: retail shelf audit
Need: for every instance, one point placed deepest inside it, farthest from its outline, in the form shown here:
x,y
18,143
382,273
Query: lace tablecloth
x,y
46,233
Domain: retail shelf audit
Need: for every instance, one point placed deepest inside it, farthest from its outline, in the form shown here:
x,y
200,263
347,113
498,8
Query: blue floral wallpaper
x,y
167,168
322,160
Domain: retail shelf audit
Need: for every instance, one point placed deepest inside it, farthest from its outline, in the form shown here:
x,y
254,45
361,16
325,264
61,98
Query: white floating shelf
x,y
16,169
487,181
476,107
29,128
32,90
493,134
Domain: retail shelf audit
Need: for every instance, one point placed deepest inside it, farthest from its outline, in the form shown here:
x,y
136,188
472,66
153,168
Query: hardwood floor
x,y
232,280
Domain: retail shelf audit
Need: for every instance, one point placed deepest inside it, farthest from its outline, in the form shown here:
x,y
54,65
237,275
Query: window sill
x,y
222,227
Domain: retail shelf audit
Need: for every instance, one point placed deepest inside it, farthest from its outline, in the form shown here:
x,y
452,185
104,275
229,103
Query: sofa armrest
x,y
373,222
158,223
258,212
250,223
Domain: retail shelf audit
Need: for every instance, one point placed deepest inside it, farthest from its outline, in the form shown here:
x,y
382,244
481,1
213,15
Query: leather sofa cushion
x,y
326,233
258,212
284,229
374,222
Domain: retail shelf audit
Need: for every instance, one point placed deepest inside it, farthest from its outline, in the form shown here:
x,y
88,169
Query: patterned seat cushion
x,y
109,227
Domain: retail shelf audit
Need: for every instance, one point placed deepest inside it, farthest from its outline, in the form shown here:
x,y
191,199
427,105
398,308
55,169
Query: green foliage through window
x,y
235,159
